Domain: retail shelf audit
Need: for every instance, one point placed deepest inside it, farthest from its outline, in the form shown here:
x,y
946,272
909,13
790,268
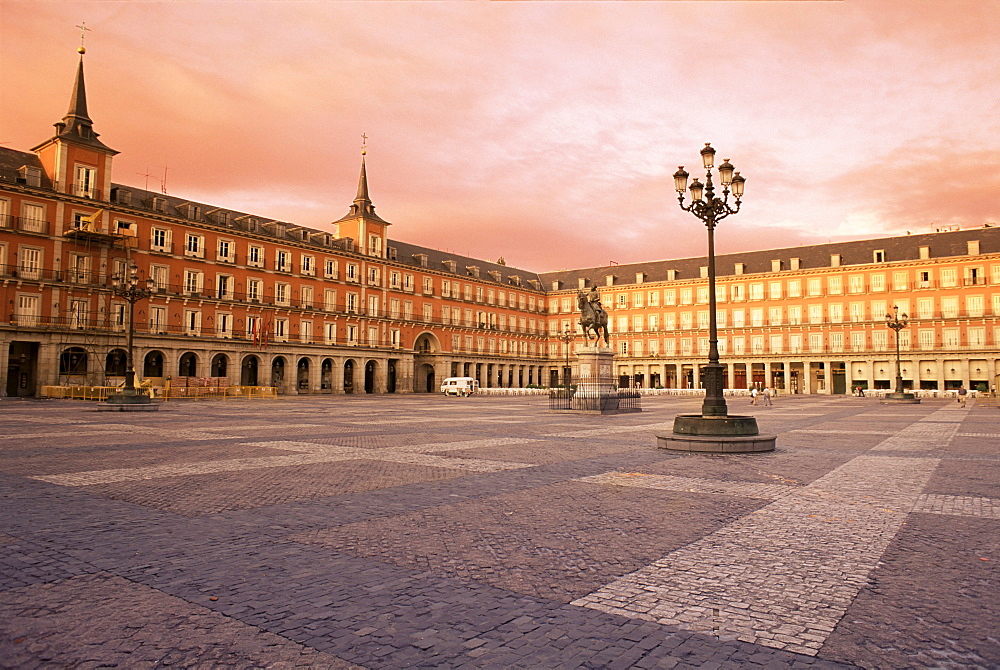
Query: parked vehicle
x,y
463,386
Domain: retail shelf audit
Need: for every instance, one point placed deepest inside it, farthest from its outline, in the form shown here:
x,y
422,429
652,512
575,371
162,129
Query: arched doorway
x,y
188,365
326,375
114,364
425,377
390,377
349,377
278,372
302,375
248,371
152,365
73,361
220,365
370,368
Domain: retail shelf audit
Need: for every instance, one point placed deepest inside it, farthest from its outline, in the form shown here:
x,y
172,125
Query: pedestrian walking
x,y
753,396
963,395
767,396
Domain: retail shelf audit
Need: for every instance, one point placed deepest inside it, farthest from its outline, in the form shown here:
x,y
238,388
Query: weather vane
x,y
83,34
364,144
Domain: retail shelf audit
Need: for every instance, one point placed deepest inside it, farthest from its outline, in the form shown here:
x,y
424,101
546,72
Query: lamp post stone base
x,y
716,434
900,399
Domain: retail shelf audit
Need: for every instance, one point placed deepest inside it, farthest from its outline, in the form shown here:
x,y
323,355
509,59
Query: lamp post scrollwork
x,y
897,322
714,430
128,287
711,209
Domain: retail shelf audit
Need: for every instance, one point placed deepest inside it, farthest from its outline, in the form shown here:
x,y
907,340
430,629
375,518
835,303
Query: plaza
x,y
488,532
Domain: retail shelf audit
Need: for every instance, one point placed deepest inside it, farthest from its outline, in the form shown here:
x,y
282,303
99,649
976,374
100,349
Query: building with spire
x,y
246,300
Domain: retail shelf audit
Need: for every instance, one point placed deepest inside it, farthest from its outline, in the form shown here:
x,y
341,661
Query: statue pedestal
x,y
596,386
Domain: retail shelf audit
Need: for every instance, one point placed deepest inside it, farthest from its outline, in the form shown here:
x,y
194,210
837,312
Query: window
x,y
330,333
352,272
78,271
33,218
949,277
974,306
949,308
373,305
687,296
670,297
757,291
194,245
193,282
223,324
795,315
373,277
305,331
857,341
306,297
329,300
428,286
737,292
160,240
653,299
330,268
775,344
78,314
192,322
283,261
899,281
757,317
925,308
255,256
352,303
702,295
158,320
815,313
86,182
254,289
794,288
836,312
308,265
281,330
925,338
160,274
282,293
878,282
774,289
774,316
835,285
225,251
224,287
815,286
923,279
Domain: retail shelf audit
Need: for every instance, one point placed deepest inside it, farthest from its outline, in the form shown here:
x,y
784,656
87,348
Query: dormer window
x,y
452,266
473,271
421,259
31,176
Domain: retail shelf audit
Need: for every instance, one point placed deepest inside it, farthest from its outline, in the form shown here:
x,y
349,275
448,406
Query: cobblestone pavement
x,y
423,531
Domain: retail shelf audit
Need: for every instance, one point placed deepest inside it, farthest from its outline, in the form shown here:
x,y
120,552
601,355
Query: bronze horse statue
x,y
593,318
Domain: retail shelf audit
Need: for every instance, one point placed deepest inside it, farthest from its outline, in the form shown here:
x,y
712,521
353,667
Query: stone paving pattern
x,y
423,531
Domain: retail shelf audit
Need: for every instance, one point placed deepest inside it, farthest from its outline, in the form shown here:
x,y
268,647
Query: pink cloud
x,y
542,132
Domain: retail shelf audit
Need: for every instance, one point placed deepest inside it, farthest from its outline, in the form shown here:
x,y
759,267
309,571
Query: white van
x,y
459,386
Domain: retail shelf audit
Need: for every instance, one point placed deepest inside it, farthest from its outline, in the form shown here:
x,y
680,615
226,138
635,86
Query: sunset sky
x,y
543,132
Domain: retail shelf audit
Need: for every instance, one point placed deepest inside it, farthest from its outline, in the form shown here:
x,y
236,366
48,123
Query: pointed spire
x,y
363,184
78,102
77,125
362,206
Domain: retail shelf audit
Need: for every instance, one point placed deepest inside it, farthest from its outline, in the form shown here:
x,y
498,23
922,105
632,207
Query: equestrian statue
x,y
592,315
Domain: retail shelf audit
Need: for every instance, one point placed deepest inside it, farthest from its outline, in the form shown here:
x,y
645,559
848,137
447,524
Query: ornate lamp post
x,y
898,322
710,209
127,287
567,336
714,429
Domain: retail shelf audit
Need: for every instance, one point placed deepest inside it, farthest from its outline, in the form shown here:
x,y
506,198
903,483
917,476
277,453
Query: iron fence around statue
x,y
622,399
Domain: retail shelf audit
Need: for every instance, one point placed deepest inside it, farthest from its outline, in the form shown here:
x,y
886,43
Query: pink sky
x,y
546,133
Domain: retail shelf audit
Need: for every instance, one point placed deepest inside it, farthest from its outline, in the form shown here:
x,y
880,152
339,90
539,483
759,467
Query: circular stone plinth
x,y
746,444
127,407
900,399
715,426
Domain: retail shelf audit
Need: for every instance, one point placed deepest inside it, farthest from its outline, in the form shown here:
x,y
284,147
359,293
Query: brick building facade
x,y
260,302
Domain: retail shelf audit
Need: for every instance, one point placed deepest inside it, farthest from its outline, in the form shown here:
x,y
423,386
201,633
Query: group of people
x,y
763,395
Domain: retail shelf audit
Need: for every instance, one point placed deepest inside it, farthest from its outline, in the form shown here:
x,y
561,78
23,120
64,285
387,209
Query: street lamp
x,y
714,430
710,209
567,336
897,322
128,288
